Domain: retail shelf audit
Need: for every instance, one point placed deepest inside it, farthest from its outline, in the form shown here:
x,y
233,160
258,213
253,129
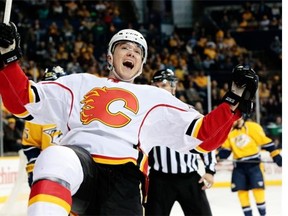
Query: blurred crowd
x,y
250,16
72,33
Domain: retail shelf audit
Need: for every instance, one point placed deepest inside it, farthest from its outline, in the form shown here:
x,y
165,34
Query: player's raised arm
x,y
13,81
240,98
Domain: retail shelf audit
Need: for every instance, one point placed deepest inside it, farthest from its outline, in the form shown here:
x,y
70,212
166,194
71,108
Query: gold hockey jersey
x,y
247,141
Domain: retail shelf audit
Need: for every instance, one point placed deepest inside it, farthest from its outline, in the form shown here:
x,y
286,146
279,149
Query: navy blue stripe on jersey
x,y
28,118
190,128
31,152
37,98
269,146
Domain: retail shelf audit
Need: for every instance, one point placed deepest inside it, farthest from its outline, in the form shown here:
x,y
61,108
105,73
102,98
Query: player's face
x,y
127,59
167,86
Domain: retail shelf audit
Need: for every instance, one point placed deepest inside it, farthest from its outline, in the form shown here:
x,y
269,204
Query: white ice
x,y
225,203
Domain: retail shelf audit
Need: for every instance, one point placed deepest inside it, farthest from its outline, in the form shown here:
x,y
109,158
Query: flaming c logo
x,y
96,106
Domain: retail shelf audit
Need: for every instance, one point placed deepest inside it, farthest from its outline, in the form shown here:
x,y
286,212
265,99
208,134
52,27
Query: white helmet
x,y
129,35
132,36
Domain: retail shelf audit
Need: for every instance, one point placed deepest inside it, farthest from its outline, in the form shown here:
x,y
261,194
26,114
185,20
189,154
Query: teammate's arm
x,y
240,97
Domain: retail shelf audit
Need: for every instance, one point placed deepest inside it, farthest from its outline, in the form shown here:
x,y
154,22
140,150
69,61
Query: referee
x,y
174,176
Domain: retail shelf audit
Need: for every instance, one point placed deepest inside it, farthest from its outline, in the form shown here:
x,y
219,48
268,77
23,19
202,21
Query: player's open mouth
x,y
128,64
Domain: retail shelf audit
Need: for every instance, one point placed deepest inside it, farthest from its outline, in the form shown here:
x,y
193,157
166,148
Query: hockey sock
x,y
245,202
259,195
49,198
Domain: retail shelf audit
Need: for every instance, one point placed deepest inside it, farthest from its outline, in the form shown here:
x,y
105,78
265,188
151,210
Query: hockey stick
x,y
7,12
247,161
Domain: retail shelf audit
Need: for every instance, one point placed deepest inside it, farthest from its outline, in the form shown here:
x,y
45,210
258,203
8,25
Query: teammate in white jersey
x,y
109,127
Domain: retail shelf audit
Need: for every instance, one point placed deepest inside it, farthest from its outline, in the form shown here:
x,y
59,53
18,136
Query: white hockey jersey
x,y
115,121
110,118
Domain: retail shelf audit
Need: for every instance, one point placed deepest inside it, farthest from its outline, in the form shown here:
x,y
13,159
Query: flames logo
x,y
96,106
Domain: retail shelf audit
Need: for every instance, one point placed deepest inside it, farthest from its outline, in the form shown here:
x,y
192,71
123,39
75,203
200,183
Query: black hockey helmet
x,y
165,75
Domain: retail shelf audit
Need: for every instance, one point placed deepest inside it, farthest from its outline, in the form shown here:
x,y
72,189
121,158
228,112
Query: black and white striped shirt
x,y
166,160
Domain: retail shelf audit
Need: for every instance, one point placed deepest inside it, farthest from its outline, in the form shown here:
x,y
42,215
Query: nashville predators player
x,y
245,141
37,137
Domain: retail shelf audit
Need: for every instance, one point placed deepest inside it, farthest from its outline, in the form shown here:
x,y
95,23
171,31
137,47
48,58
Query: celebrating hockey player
x,y
110,125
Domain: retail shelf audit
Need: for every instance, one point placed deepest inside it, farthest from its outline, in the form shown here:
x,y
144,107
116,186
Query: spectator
x,y
276,46
57,9
264,23
264,92
71,7
12,136
67,31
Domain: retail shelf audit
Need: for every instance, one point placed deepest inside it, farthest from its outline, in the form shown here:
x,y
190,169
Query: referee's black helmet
x,y
164,75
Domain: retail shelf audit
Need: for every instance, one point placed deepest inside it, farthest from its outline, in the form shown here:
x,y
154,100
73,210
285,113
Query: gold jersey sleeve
x,y
40,136
246,141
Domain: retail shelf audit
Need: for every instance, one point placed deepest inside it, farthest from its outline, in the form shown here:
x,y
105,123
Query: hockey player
x,y
173,176
110,125
245,142
37,137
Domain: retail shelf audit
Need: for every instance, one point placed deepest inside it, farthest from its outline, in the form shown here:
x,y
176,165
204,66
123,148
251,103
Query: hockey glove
x,y
242,89
10,50
278,160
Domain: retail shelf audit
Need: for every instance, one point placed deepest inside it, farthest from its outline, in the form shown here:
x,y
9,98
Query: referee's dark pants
x,y
165,189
